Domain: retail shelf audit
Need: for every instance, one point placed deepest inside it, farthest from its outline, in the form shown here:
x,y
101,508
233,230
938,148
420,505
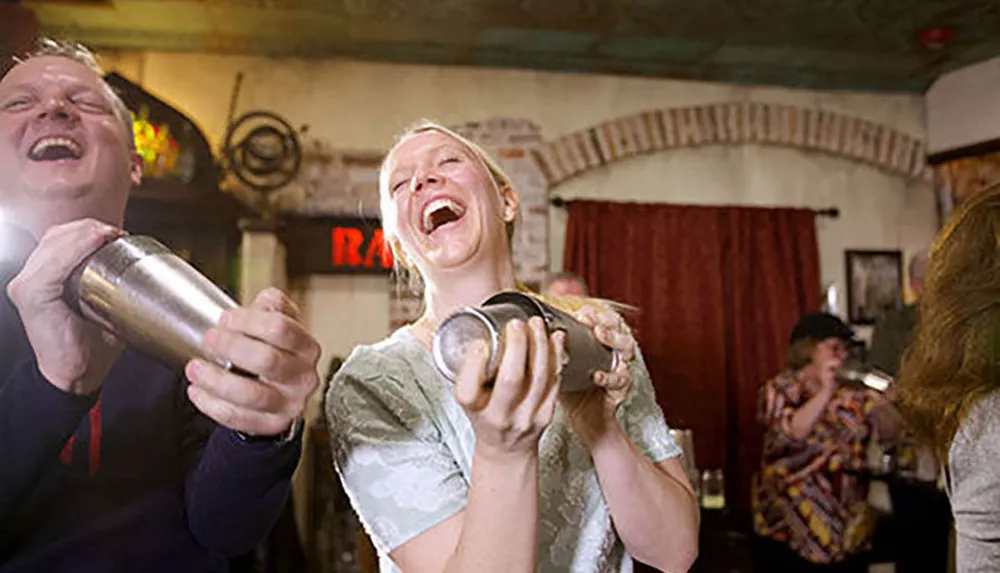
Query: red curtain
x,y
719,289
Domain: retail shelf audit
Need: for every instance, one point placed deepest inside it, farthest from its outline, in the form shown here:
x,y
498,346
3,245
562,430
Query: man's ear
x,y
135,172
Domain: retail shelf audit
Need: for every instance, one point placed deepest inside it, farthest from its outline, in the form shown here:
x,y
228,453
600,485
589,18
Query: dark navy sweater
x,y
130,479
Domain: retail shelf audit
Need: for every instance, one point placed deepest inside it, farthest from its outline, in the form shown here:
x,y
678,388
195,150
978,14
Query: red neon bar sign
x,y
335,245
352,248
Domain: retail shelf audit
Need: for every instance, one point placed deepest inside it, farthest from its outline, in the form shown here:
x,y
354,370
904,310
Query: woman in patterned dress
x,y
515,477
810,497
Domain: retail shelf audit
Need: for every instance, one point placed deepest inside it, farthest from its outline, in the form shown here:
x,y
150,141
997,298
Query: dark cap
x,y
821,326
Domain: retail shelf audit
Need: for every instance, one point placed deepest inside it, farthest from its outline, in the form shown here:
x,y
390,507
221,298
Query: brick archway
x,y
733,124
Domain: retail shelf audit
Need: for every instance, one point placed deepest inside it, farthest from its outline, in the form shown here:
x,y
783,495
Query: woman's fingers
x,y
538,364
509,387
470,384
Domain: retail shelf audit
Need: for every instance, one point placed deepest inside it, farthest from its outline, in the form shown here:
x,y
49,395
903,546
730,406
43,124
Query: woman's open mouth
x,y
440,212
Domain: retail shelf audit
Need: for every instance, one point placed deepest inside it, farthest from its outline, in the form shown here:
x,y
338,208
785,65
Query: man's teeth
x,y
49,142
437,205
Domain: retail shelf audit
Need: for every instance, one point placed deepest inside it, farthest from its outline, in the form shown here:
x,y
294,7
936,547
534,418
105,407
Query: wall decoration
x,y
172,148
874,284
154,143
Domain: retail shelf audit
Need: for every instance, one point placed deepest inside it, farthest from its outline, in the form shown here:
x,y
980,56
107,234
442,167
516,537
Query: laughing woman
x,y
513,478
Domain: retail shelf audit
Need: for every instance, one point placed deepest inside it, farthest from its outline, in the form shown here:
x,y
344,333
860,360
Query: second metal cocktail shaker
x,y
139,290
488,321
868,377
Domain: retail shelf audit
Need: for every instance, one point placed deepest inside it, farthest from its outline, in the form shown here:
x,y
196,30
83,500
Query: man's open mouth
x,y
55,149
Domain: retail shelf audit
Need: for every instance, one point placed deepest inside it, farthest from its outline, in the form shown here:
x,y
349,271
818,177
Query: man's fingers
x,y
59,252
237,417
273,299
237,390
274,328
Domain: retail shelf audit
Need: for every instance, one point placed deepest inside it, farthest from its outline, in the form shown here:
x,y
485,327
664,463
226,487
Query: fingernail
x,y
211,337
192,369
225,318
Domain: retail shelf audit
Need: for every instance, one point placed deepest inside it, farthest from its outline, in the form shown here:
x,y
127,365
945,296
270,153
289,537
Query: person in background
x,y
949,383
892,332
504,475
111,461
565,284
810,496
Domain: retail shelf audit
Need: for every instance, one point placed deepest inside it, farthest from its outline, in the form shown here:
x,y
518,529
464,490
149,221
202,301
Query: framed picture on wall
x,y
874,284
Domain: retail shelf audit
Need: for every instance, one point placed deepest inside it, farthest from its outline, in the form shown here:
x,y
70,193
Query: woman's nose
x,y
422,182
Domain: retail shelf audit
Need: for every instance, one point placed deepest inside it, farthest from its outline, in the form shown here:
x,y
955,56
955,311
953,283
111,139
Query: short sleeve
x,y
775,410
975,489
642,419
400,477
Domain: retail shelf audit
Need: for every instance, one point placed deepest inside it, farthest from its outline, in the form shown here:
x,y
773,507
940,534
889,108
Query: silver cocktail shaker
x,y
869,377
150,298
488,321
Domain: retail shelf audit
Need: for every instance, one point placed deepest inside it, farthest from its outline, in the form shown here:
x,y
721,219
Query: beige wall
x,y
356,105
962,107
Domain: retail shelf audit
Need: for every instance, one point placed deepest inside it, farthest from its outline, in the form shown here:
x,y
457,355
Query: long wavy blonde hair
x,y
954,359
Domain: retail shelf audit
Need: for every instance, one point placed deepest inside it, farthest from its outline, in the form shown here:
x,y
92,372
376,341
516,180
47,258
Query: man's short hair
x,y
563,276
83,55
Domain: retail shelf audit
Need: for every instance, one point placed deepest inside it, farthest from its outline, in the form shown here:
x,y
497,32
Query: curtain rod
x,y
831,212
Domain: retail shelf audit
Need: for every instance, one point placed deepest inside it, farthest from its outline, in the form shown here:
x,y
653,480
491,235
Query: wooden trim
x,y
974,150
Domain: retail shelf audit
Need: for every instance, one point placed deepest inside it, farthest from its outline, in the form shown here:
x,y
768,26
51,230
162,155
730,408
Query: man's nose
x,y
57,108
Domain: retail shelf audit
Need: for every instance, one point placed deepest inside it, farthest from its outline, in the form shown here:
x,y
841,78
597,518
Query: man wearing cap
x,y
809,497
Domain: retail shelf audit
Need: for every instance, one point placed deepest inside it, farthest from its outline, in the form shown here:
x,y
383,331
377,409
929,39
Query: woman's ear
x,y
509,202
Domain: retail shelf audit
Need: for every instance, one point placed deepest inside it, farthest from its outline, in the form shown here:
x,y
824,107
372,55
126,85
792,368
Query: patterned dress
x,y
809,493
403,448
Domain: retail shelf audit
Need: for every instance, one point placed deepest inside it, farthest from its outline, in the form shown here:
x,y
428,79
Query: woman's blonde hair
x,y
952,361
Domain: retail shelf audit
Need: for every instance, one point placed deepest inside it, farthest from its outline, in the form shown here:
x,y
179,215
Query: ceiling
x,y
826,44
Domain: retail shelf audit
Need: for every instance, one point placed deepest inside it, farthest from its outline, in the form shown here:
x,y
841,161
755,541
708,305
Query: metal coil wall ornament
x,y
263,151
